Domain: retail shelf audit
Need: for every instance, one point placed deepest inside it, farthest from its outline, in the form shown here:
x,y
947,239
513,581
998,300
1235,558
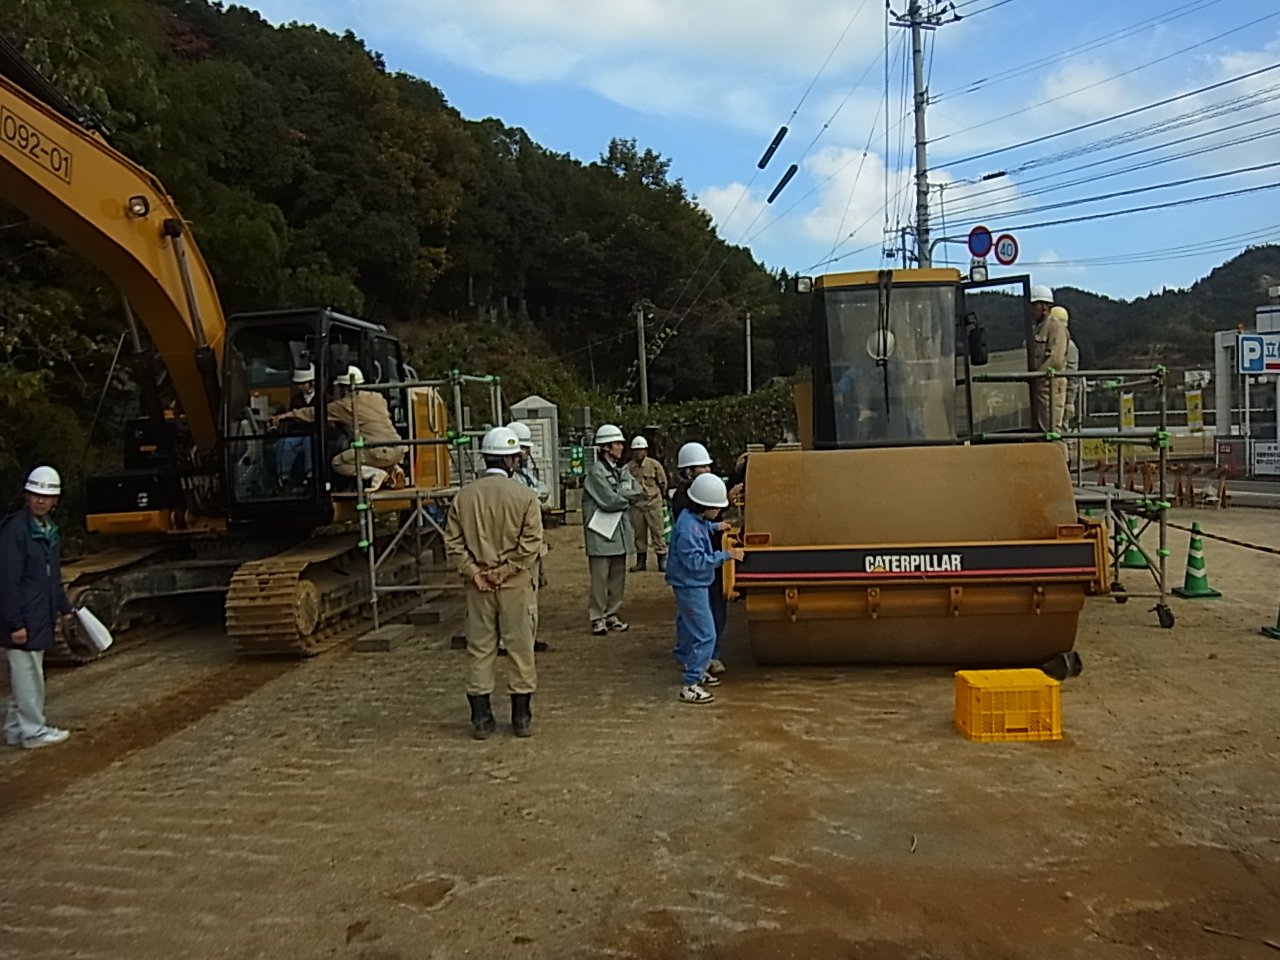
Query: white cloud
x,y
736,210
737,62
1049,269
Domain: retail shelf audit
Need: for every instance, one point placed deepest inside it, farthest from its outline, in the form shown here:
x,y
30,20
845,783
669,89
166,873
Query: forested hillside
x,y
311,174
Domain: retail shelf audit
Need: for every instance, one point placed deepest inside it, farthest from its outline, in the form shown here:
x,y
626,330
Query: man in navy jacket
x,y
31,602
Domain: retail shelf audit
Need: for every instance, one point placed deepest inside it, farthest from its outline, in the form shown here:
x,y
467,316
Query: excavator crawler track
x,y
71,648
273,609
305,600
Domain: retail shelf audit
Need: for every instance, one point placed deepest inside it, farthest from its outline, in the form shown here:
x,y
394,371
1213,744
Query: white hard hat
x,y
708,490
354,377
1041,294
522,431
306,374
44,481
500,442
881,344
639,443
608,433
693,454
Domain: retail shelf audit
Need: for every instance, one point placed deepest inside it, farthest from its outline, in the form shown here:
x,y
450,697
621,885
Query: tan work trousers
x,y
501,614
646,520
536,571
608,580
1049,402
384,458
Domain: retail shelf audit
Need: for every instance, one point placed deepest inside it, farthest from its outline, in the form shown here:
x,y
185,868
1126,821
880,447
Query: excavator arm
x,y
117,215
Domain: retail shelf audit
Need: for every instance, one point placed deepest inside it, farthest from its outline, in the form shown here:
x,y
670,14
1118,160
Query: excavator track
x,y
304,600
272,609
71,647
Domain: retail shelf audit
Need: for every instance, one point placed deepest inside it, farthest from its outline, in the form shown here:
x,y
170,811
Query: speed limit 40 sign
x,y
1006,249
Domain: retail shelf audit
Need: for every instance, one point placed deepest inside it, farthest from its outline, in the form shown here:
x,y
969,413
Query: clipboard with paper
x,y
605,524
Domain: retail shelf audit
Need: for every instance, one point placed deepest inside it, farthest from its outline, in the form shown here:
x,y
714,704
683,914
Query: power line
x,y
822,69
1089,45
1154,206
1116,116
1131,169
1136,190
1124,73
1125,261
1190,118
1135,153
974,13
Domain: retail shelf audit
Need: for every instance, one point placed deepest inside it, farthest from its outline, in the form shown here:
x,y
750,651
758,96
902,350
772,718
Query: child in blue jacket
x,y
691,566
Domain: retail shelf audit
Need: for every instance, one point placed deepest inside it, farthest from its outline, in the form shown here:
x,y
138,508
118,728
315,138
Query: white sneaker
x,y
715,668
695,694
599,627
376,480
613,623
12,740
46,738
709,679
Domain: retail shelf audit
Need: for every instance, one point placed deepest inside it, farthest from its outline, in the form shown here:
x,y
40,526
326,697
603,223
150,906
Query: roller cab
x,y
896,539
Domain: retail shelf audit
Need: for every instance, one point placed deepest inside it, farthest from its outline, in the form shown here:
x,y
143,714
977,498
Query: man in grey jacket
x,y
608,490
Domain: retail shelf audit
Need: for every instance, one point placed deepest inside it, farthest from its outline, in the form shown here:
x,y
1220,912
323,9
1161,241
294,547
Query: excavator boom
x,y
119,217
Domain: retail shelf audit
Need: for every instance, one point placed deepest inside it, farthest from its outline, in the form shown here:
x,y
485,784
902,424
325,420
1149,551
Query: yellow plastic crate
x,y
1008,705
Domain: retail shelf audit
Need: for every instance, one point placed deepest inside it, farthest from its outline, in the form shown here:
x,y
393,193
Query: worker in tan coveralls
x,y
1048,352
365,415
493,537
646,513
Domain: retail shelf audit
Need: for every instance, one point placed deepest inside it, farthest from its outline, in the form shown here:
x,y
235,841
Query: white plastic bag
x,y
94,629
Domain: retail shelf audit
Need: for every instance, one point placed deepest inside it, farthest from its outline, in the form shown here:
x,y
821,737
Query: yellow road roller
x,y
901,533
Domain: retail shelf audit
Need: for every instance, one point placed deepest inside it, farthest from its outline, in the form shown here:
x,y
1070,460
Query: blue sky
x,y
708,82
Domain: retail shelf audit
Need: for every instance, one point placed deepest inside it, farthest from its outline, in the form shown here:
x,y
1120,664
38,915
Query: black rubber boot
x,y
521,714
482,722
642,563
662,563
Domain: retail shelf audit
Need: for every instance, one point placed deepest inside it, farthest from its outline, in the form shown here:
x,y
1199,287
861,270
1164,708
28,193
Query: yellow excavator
x,y
901,533
218,502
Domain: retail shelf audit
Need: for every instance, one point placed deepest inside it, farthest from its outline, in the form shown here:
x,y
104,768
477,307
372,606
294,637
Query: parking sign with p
x,y
1258,353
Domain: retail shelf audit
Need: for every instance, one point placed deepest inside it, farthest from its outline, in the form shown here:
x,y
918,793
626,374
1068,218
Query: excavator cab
x,y
281,474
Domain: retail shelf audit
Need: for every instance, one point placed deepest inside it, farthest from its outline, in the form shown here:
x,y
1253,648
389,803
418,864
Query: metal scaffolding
x,y
1118,505
418,520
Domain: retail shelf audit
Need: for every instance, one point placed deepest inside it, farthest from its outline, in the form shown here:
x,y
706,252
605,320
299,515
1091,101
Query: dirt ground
x,y
338,808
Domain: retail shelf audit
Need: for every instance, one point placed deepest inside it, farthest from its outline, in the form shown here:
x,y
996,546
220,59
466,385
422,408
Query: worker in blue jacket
x,y
692,563
31,602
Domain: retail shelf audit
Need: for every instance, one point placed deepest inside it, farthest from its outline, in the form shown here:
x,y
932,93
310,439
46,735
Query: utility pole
x,y
644,360
749,352
919,20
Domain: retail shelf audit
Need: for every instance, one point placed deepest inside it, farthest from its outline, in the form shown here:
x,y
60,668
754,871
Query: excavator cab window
x,y
388,368
887,374
269,464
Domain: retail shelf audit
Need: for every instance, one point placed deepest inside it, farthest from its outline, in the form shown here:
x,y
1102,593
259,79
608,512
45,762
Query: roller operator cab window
x,y
266,463
892,356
